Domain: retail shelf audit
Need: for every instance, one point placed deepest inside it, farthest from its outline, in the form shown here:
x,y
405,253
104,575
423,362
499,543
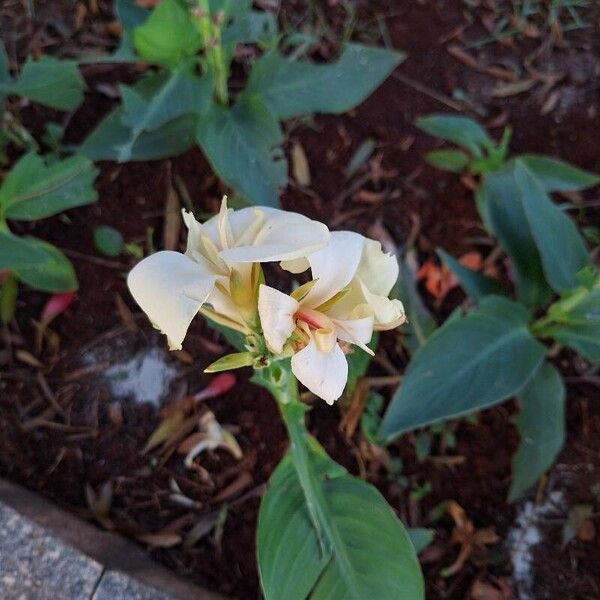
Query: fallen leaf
x,y
164,431
172,220
467,537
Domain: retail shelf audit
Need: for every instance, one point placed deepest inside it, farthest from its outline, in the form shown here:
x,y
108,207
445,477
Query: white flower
x,y
172,287
345,301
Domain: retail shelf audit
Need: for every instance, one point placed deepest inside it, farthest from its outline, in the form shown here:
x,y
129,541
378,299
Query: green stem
x,y
283,386
210,31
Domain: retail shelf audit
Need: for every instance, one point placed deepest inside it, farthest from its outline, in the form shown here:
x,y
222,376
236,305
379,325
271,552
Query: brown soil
x,y
97,446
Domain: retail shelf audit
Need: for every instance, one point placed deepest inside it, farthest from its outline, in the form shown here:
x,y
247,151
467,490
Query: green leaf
x,y
454,161
32,190
242,146
468,364
556,175
580,326
48,81
420,324
110,136
420,537
370,554
462,131
130,14
237,360
475,284
54,273
503,213
15,252
561,247
291,88
541,424
159,99
254,27
168,36
108,240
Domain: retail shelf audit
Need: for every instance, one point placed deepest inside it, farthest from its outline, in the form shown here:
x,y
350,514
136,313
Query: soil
x,y
98,438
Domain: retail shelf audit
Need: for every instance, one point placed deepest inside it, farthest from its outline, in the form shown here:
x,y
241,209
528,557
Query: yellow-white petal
x,y
296,266
377,270
334,266
387,313
282,236
276,311
355,331
324,373
170,288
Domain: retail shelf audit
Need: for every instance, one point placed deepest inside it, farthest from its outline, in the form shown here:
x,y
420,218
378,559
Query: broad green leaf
x,y
370,554
255,26
499,204
448,160
33,191
242,146
168,36
556,175
230,8
48,81
160,99
130,14
475,284
468,364
420,537
541,423
54,273
420,324
105,142
15,252
291,88
580,326
561,247
462,131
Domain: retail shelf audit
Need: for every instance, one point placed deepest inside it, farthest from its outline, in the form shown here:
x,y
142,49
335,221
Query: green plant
x,y
495,350
185,100
321,532
38,187
34,190
48,81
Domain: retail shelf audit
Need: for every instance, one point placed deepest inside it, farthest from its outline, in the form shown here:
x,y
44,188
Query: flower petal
x,y
324,373
282,236
377,269
388,313
356,331
334,266
170,288
276,311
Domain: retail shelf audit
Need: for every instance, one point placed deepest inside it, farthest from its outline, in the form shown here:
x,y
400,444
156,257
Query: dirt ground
x,y
66,424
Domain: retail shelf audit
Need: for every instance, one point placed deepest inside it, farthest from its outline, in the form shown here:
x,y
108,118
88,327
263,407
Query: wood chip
x,y
242,482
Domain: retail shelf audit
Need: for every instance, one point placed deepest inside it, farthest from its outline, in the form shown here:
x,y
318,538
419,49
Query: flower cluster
x,y
345,300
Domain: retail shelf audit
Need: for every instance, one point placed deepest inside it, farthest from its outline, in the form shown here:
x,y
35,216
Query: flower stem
x,y
283,386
